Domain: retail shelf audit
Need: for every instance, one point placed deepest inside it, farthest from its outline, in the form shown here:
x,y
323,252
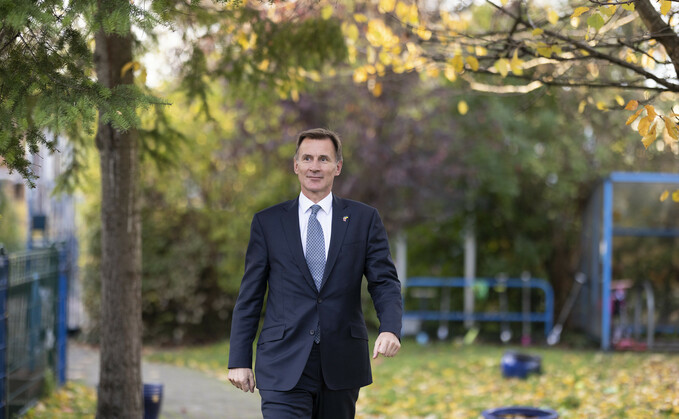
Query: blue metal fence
x,y
545,316
4,285
33,292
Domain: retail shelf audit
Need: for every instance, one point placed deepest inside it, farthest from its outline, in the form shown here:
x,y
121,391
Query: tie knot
x,y
315,209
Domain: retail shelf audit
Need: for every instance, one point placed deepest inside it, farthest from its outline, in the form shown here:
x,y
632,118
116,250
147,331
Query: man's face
x,y
316,167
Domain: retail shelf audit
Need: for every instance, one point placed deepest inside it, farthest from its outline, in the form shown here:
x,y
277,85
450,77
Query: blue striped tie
x,y
315,247
315,254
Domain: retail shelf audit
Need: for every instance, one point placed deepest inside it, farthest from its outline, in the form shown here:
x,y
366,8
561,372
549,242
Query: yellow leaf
x,y
385,58
553,17
664,195
672,129
628,7
650,111
675,196
631,105
537,32
544,49
326,12
644,125
132,65
608,11
579,11
360,17
516,64
433,71
472,62
634,117
581,106
413,15
351,32
377,89
665,6
620,100
387,6
481,51
380,70
450,73
401,10
458,63
142,76
601,106
575,22
502,66
504,2
462,107
360,75
423,33
649,138
380,35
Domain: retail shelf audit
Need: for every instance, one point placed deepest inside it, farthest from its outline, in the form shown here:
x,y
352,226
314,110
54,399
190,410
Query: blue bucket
x,y
153,397
519,411
520,365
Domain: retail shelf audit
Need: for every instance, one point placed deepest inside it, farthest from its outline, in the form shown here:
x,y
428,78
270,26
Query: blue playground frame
x,y
598,238
546,317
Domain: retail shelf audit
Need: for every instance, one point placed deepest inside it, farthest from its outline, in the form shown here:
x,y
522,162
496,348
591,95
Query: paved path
x,y
188,394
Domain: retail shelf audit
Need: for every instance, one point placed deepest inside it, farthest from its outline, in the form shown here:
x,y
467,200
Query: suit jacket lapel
x,y
339,228
291,228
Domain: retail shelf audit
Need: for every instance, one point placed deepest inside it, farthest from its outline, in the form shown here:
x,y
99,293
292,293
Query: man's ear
x,y
339,168
294,166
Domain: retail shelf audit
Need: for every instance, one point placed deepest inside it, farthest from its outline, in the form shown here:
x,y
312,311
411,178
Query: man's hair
x,y
321,134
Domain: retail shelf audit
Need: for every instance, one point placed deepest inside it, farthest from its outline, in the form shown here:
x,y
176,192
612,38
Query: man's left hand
x,y
386,344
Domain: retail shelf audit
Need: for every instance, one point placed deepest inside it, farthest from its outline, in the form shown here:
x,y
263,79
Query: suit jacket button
x,y
311,332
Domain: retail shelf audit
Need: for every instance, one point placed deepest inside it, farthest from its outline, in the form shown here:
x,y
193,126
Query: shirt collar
x,y
306,203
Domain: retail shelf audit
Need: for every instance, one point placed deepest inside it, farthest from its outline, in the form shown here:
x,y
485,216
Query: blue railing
x,y
33,293
4,285
546,316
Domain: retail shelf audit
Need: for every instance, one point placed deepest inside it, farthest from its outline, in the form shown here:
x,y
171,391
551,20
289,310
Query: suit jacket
x,y
275,261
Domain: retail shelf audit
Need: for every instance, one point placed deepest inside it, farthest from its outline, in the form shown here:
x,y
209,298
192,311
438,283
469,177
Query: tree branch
x,y
659,30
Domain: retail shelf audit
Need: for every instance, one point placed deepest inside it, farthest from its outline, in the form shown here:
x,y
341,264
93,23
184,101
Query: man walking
x,y
311,254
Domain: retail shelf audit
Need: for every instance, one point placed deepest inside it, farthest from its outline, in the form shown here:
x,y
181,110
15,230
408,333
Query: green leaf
x,y
595,21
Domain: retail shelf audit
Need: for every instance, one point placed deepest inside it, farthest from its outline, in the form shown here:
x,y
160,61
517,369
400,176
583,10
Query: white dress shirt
x,y
324,216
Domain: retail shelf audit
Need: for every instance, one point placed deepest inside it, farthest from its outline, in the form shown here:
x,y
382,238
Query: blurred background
x,y
443,162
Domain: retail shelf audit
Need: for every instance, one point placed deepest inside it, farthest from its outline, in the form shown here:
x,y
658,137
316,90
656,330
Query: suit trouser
x,y
310,398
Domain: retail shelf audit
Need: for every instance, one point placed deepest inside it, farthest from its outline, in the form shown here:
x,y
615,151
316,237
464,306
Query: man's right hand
x,y
243,378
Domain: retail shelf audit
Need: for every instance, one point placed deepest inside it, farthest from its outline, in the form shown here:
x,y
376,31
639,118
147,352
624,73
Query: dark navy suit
x,y
294,306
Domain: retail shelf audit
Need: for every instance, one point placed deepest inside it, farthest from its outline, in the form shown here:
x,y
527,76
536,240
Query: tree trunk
x,y
120,386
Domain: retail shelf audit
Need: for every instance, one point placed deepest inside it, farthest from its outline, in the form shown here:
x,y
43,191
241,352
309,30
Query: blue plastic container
x,y
519,411
520,365
153,398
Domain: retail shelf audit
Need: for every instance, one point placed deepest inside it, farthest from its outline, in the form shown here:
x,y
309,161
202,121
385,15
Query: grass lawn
x,y
453,381
72,401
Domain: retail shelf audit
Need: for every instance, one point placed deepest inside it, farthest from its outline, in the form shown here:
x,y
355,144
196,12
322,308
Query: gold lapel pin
x,y
345,218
